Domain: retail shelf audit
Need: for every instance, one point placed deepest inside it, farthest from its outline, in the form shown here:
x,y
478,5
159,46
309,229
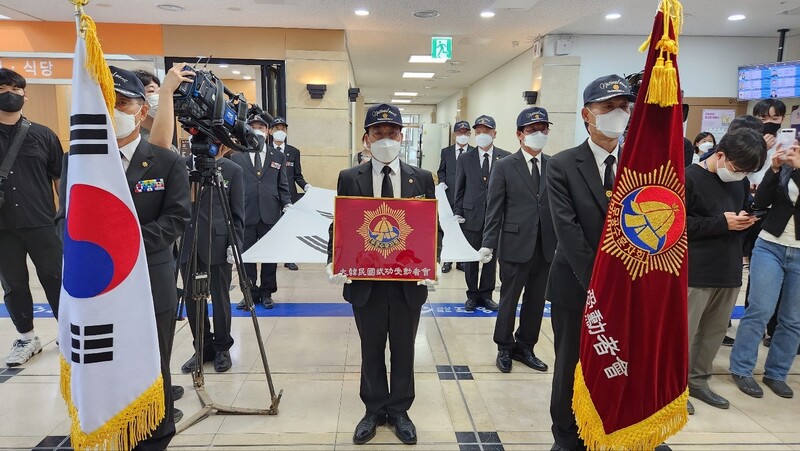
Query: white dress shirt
x,y
127,152
460,150
377,177
482,152
600,156
281,147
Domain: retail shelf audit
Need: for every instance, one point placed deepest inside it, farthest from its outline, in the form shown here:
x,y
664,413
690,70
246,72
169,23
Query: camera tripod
x,y
206,179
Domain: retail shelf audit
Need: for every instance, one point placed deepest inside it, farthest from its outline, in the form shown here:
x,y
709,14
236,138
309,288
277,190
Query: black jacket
x,y
578,204
447,170
515,215
234,192
470,198
774,190
265,195
294,172
357,181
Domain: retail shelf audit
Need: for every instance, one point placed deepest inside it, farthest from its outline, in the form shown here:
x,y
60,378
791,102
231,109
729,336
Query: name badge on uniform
x,y
275,165
226,183
146,186
290,164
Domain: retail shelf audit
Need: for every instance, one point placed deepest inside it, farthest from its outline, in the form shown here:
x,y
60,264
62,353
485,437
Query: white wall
x,y
499,95
708,65
447,110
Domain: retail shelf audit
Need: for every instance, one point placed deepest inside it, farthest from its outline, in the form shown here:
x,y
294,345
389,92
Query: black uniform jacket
x,y
470,199
265,195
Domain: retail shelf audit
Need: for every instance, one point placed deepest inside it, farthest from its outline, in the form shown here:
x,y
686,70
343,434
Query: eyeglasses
x,y
392,134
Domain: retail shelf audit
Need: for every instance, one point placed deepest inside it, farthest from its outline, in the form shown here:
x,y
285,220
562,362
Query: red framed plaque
x,y
385,239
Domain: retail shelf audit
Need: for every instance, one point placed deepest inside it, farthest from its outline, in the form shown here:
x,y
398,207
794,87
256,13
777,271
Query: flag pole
x,y
79,4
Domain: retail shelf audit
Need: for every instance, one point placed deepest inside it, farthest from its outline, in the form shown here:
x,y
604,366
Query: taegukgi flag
x,y
630,384
110,370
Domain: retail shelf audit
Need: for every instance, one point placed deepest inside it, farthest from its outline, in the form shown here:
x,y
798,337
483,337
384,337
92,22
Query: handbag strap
x,y
13,150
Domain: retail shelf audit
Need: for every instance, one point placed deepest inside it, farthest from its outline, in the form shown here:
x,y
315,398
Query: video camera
x,y
213,114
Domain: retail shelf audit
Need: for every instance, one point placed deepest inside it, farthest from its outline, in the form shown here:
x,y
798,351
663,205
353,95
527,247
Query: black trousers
x,y
45,249
269,280
387,313
162,281
567,336
220,340
483,288
532,276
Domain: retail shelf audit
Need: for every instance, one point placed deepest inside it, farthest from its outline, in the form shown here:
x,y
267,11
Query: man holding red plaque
x,y
384,308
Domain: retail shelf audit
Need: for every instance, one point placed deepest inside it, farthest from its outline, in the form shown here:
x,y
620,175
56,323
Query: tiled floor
x,y
463,402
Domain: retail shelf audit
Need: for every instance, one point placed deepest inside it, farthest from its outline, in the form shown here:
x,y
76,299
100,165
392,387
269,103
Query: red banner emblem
x,y
385,239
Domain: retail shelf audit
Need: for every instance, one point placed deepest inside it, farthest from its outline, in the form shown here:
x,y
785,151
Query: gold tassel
x,y
96,63
644,435
127,428
663,87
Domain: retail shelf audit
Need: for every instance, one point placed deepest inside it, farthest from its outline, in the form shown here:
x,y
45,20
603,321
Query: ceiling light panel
x,y
418,74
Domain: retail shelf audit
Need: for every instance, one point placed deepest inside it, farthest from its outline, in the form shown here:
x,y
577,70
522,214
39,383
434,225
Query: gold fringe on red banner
x,y
644,435
663,87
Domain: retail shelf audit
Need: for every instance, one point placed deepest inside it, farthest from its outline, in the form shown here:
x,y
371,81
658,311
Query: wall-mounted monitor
x,y
762,81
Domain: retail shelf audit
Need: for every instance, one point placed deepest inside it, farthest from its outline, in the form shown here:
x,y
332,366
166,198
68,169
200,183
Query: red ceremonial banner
x,y
630,383
385,239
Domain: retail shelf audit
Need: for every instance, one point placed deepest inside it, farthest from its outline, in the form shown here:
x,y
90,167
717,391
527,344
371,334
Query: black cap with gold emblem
x,y
532,115
488,121
383,114
607,87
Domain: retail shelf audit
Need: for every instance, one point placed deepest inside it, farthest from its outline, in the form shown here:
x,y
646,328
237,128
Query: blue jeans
x,y
772,267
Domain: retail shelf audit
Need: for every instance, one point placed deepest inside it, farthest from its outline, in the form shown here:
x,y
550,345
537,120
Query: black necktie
x,y
386,186
535,175
460,151
485,167
257,163
608,177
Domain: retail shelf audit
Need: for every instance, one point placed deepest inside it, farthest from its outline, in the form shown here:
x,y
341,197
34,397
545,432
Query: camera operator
x,y
160,128
26,215
216,346
162,213
266,197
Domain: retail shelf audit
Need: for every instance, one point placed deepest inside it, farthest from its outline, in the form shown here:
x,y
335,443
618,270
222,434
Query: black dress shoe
x,y
780,388
177,392
748,386
767,341
365,430
242,305
470,305
190,366
689,407
709,397
503,360
403,428
530,360
446,267
728,341
222,361
490,304
267,302
291,266
177,415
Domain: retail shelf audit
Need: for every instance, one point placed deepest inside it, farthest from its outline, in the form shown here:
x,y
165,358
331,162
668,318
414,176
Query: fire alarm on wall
x,y
563,47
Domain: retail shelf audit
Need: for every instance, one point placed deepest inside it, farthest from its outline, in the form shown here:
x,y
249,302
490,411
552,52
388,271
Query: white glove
x,y
230,258
486,254
307,187
339,278
460,219
287,207
429,282
444,185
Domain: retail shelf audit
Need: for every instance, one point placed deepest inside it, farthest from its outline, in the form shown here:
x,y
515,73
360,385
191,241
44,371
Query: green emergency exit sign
x,y
442,48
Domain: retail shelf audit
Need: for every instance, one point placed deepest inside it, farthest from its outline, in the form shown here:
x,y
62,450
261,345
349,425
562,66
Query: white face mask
x,y
124,123
279,136
462,140
260,133
728,176
385,150
535,140
484,140
152,102
613,123
705,147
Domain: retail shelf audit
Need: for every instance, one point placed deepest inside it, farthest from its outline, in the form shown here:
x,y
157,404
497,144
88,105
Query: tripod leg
x,y
237,256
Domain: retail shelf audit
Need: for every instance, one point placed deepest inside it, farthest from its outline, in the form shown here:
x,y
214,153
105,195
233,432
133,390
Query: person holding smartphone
x,y
774,275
